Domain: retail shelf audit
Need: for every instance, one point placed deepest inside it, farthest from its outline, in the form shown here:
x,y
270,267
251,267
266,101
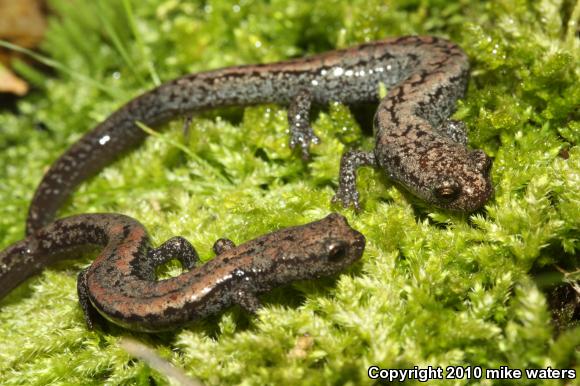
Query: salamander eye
x,y
447,191
336,250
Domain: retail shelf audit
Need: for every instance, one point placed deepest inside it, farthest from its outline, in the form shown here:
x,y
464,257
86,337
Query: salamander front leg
x,y
301,132
350,162
248,301
244,297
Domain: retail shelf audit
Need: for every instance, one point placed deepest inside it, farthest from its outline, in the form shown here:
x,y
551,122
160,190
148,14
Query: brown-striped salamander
x,y
416,144
121,285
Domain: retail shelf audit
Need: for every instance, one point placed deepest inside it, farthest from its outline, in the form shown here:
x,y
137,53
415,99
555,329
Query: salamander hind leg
x,y
175,248
301,132
347,193
222,245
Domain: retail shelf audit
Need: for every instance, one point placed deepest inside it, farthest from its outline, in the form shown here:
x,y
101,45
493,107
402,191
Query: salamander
x,y
416,144
121,285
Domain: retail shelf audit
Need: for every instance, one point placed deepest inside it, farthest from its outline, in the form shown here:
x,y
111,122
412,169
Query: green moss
x,y
432,289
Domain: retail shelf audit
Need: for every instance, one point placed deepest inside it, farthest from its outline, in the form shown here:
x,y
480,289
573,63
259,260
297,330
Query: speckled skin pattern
x,y
415,143
121,285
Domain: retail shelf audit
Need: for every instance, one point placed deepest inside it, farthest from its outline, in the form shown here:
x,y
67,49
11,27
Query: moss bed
x,y
433,288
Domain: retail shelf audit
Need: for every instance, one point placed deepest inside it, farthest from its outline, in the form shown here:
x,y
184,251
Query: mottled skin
x,y
415,144
121,284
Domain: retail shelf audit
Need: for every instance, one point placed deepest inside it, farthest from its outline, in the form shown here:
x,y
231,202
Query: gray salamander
x,y
121,285
416,144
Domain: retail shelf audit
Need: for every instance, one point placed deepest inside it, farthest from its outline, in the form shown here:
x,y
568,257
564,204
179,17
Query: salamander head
x,y
441,172
467,185
320,248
